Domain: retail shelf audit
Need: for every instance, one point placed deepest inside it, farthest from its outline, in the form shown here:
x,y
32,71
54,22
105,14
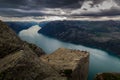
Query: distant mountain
x,y
18,26
98,34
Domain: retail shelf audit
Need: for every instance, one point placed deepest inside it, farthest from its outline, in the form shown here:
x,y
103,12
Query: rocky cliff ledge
x,y
69,63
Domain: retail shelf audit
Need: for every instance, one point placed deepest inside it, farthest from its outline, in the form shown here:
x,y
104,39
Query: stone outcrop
x,y
19,60
10,42
24,65
36,49
69,63
108,76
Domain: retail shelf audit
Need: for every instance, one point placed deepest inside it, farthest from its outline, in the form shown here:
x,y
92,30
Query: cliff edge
x,y
69,63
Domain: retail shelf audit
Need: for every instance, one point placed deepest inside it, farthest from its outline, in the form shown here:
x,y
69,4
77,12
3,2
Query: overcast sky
x,y
59,7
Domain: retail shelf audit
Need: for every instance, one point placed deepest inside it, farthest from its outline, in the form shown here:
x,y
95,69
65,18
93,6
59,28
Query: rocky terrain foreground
x,y
20,60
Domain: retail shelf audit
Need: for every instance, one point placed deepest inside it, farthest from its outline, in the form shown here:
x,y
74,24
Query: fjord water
x,y
100,61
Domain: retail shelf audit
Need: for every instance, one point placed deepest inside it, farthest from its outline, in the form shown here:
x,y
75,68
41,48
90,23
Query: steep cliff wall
x,y
72,64
81,71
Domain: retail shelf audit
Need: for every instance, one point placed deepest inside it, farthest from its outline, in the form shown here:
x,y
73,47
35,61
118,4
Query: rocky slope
x,y
108,76
97,34
9,42
18,59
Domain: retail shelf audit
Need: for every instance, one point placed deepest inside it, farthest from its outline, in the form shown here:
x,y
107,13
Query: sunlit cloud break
x,y
53,18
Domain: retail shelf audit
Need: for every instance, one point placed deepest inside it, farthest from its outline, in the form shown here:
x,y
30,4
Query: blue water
x,y
100,61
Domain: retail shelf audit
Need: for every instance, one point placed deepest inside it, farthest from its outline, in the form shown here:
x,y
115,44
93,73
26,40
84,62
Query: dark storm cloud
x,y
10,7
35,7
60,3
112,12
38,3
117,1
11,3
14,13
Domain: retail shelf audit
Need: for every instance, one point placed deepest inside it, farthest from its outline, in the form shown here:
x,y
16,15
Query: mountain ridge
x,y
97,34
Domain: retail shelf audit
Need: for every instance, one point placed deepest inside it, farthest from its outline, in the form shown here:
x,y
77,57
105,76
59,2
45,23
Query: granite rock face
x,y
24,65
69,63
10,42
20,60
